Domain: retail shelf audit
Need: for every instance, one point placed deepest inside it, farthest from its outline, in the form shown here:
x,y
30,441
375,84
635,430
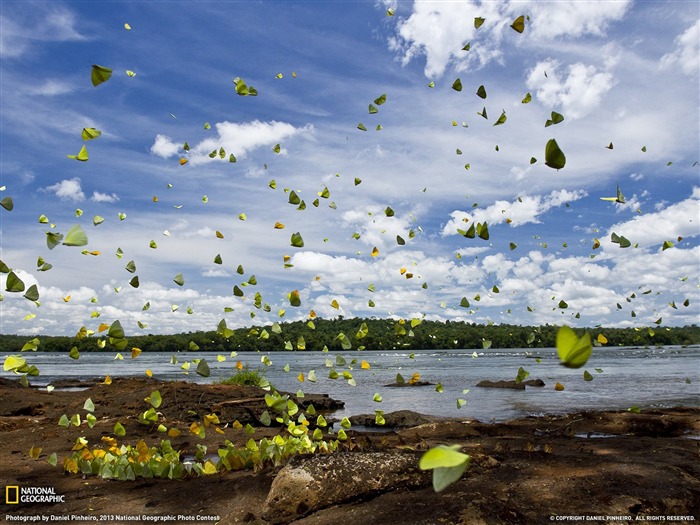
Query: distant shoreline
x,y
358,333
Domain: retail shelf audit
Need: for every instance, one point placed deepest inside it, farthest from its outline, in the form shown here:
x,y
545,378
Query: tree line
x,y
358,333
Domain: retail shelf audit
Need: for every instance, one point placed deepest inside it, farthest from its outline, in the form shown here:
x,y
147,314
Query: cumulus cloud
x,y
574,19
677,220
165,147
578,90
103,197
439,30
236,138
538,280
241,138
686,53
67,189
526,209
375,228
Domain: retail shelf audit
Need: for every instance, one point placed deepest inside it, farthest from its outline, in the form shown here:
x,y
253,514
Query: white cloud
x,y
165,147
67,189
10,46
43,22
376,229
472,250
70,189
591,287
687,51
438,30
206,232
236,138
578,93
103,197
538,280
678,220
17,173
573,19
254,172
213,272
244,137
526,209
315,262
632,204
52,88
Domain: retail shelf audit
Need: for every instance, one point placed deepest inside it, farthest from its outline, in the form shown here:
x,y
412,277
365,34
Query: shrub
x,y
245,377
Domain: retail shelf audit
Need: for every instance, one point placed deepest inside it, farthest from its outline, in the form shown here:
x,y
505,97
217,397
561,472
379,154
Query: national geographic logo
x,y
14,495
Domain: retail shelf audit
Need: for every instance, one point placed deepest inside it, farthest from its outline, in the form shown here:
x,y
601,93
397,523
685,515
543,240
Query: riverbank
x,y
522,471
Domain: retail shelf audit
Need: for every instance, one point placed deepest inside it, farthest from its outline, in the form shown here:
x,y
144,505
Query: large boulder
x,y
397,419
311,483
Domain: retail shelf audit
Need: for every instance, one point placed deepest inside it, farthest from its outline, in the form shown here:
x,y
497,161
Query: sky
x,y
383,206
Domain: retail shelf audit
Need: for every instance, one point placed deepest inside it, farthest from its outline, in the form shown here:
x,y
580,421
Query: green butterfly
x,y
620,197
574,351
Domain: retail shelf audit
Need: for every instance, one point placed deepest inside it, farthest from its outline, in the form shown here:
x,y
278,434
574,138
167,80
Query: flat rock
x,y
397,419
311,483
511,383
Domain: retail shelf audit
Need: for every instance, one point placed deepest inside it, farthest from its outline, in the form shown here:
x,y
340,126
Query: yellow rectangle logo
x,y
12,494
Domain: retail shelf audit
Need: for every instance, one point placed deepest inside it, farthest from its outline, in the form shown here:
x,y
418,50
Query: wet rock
x,y
501,384
308,484
397,419
407,384
534,382
321,402
441,431
512,383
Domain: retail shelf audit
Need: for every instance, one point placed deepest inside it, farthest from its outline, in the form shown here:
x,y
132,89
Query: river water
x,y
626,377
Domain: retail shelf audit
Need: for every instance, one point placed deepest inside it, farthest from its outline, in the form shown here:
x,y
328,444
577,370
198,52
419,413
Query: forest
x,y
360,334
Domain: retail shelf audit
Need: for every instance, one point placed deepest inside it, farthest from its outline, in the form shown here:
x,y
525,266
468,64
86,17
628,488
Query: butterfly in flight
x,y
620,197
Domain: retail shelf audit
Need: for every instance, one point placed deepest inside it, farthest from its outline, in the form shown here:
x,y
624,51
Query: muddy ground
x,y
619,466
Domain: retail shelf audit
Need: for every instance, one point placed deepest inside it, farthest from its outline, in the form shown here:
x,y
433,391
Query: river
x,y
622,377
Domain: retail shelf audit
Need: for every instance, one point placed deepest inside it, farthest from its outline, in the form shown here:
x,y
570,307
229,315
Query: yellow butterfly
x,y
620,197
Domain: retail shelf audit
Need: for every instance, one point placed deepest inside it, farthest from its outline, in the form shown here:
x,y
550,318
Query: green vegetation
x,y
244,377
126,462
371,334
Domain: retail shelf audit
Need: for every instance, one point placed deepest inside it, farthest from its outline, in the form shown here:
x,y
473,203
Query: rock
x,y
397,419
534,382
417,383
442,431
320,402
510,384
502,384
311,483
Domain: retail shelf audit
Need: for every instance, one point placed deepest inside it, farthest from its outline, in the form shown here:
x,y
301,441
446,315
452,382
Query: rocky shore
x,y
617,466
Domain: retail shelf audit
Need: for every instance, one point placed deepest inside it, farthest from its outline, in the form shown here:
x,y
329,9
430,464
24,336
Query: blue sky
x,y
619,72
